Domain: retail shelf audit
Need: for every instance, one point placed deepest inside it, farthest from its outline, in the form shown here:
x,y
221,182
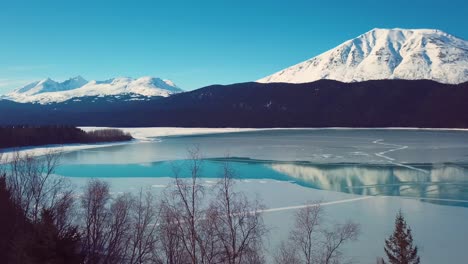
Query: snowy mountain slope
x,y
49,91
48,85
386,54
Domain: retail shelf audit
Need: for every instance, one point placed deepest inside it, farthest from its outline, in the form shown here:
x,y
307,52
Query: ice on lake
x,y
422,172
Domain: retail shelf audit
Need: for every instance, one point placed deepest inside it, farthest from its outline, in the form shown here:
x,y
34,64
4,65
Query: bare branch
x,y
287,253
334,240
309,242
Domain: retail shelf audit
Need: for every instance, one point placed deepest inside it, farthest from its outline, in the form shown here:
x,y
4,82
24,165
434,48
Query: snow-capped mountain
x,y
48,85
386,54
49,91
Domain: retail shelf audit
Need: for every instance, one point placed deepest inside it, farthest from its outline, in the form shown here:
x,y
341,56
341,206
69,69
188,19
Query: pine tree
x,y
7,219
399,246
48,244
12,222
22,241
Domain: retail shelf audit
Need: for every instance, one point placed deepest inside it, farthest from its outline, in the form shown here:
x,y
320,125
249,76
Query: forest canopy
x,y
22,136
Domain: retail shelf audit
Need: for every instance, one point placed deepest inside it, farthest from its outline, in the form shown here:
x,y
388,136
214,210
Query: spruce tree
x,y
399,246
7,219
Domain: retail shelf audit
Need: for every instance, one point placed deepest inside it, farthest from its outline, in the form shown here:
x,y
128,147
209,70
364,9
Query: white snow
x,y
48,91
147,133
48,85
7,154
386,54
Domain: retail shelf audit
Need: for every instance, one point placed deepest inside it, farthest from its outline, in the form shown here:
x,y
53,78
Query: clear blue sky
x,y
193,43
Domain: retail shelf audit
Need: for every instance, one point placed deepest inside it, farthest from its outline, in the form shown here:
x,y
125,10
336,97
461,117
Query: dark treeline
x,y
324,103
21,136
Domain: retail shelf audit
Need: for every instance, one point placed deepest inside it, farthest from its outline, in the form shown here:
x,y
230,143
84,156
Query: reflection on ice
x,y
441,181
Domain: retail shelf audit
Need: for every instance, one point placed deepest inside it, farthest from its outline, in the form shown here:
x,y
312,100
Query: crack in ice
x,y
392,160
269,210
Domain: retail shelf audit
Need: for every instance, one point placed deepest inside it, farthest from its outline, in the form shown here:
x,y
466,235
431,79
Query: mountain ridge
x,y
324,103
50,91
409,54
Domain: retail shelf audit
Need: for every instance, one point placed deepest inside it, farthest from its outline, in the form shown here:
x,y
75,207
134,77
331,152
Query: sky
x,y
193,43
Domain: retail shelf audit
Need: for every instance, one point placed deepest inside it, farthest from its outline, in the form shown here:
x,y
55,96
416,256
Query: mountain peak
x,y
47,80
158,82
169,82
38,87
78,78
73,83
406,31
47,90
386,54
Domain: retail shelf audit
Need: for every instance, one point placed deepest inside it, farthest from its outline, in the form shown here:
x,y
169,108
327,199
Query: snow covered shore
x,y
139,133
146,133
150,133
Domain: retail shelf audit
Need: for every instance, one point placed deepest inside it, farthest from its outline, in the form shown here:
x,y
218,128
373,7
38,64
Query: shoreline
x,y
181,131
6,154
149,134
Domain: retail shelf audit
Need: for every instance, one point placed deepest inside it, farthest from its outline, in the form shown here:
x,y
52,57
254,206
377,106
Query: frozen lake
x,y
365,146
423,172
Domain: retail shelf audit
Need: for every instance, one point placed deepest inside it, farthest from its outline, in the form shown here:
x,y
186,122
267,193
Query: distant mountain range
x,y
408,54
50,91
383,78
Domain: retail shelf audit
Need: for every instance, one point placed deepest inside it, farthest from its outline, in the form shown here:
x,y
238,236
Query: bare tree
x,y
144,222
334,239
287,254
183,203
380,260
45,206
33,184
96,217
118,229
170,237
310,242
208,237
226,229
65,211
254,255
306,225
238,224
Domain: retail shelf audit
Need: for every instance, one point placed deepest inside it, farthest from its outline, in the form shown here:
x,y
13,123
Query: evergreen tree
x,y
7,219
399,246
47,244
22,241
12,222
